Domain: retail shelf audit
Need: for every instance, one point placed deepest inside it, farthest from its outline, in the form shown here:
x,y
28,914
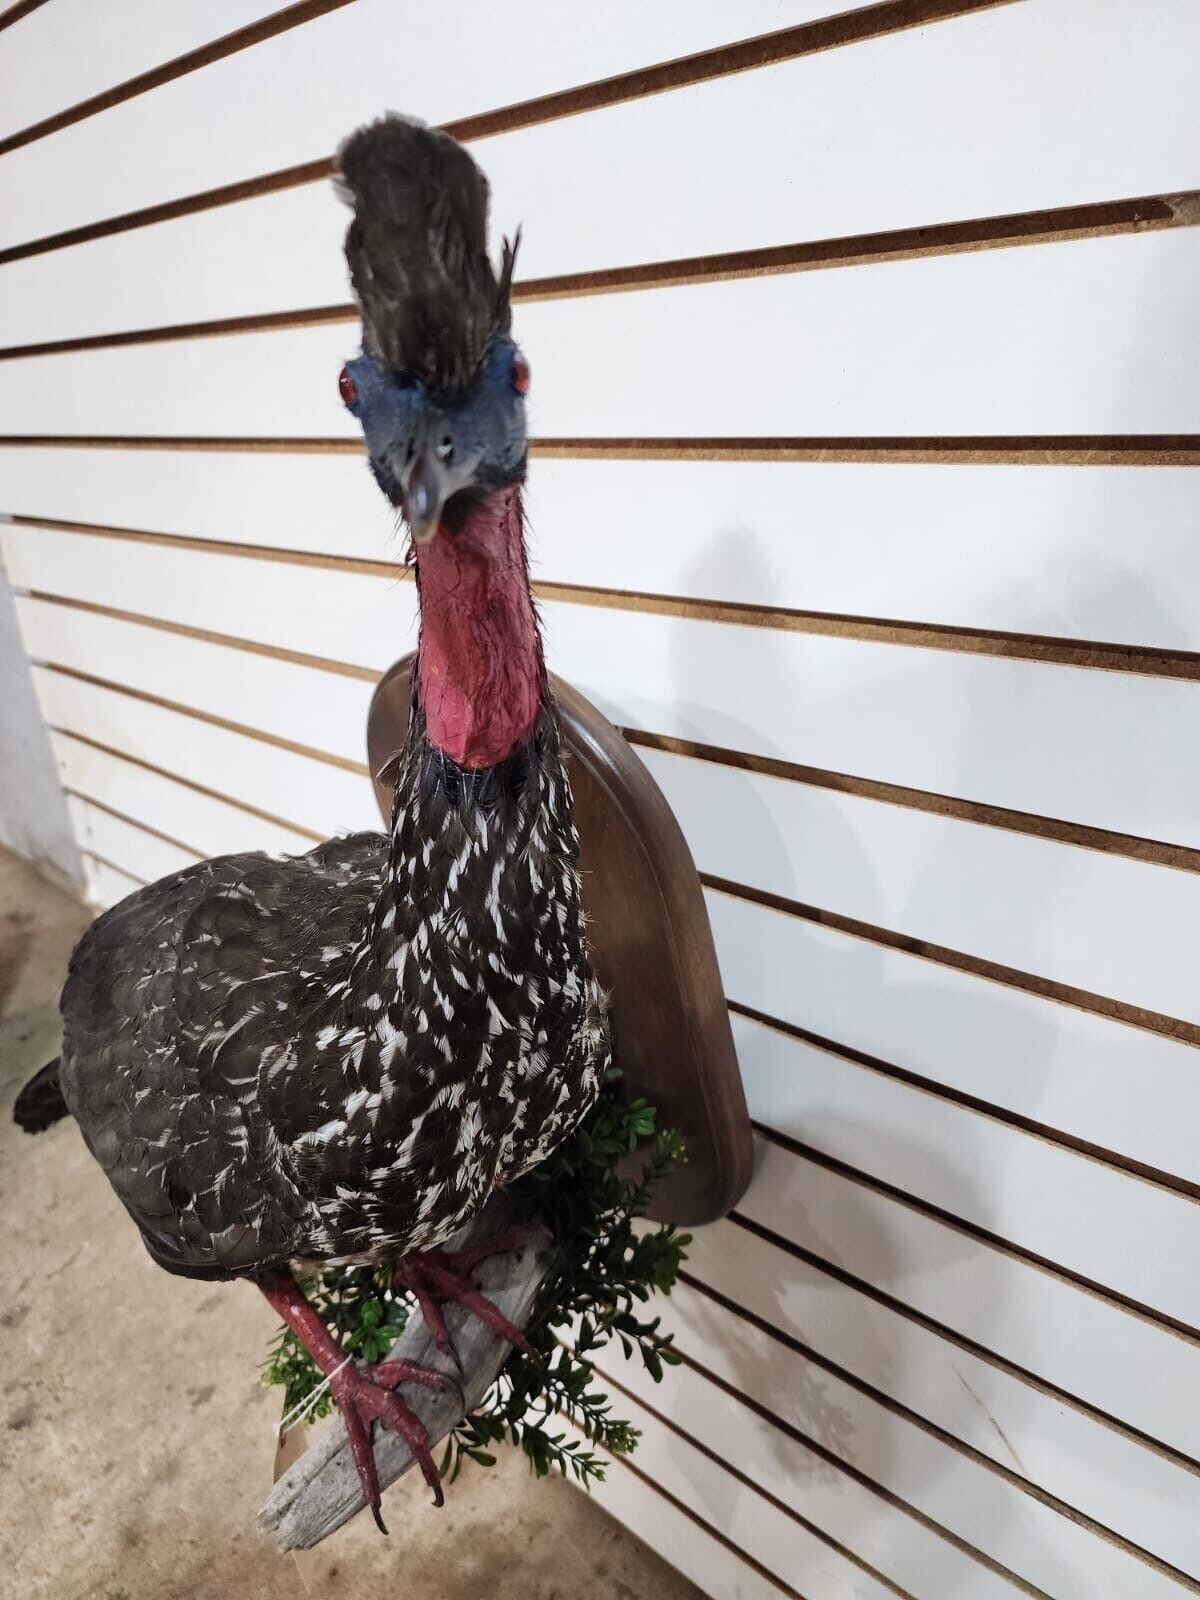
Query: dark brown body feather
x,y
339,1056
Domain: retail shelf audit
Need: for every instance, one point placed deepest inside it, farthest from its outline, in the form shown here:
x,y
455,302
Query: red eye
x,y
346,387
520,374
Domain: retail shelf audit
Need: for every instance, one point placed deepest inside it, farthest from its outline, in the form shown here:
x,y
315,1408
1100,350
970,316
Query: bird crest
x,y
417,251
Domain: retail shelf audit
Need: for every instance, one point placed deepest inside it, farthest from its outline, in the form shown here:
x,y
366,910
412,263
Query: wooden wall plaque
x,y
651,942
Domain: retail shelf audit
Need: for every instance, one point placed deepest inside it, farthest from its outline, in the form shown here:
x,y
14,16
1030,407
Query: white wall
x,y
33,810
883,550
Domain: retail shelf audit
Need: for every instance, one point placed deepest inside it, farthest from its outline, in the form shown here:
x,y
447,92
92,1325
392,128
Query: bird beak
x,y
426,488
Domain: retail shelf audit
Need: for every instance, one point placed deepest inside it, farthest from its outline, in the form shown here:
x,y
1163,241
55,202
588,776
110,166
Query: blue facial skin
x,y
435,455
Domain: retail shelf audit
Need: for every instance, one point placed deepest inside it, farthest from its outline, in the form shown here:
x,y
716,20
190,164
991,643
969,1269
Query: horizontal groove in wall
x,y
229,44
219,443
806,38
93,855
1157,851
1057,651
1180,857
1046,988
764,50
1053,225
838,1464
694,1517
982,1352
216,327
1096,655
607,1377
971,1230
247,732
14,13
134,822
1142,1171
214,547
1141,214
273,652
1076,449
1034,450
1025,1485
167,210
187,783
979,966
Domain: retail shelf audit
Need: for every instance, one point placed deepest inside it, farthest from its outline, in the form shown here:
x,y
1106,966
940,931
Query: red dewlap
x,y
480,666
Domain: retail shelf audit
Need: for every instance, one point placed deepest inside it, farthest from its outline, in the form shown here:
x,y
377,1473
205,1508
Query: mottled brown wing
x,y
651,942
173,997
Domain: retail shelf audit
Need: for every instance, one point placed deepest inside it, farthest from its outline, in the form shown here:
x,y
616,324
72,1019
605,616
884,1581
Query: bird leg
x,y
362,1392
433,1276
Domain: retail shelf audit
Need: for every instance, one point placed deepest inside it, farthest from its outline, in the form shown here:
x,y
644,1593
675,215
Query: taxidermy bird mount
x,y
341,1057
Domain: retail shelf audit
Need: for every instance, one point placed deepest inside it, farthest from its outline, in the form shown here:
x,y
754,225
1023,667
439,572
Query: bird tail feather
x,y
40,1103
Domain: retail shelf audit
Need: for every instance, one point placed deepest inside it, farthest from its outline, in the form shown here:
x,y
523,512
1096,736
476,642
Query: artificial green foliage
x,y
601,1277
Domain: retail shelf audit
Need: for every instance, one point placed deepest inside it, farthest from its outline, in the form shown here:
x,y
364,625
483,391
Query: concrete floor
x,y
135,1442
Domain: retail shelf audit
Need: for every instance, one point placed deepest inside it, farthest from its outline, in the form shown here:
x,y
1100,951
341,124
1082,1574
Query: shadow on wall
x,y
801,1301
836,1422
34,821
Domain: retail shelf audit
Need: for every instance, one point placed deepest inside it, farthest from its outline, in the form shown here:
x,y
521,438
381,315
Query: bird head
x,y
440,386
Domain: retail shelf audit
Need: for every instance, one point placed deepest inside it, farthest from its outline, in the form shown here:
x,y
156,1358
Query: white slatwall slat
x,y
1026,1536
988,1174
295,788
294,98
1122,1088
211,826
725,153
326,503
142,854
880,350
751,1523
1125,1366
1106,749
106,886
1088,1464
67,52
987,547
1099,922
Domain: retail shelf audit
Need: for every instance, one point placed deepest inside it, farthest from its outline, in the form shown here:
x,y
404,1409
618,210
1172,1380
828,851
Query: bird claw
x,y
390,1373
364,1394
435,1276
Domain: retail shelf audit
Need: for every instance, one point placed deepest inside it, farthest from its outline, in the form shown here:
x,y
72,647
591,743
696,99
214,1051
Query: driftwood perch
x,y
321,1491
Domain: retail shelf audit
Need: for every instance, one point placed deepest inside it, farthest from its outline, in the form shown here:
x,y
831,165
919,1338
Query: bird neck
x,y
480,675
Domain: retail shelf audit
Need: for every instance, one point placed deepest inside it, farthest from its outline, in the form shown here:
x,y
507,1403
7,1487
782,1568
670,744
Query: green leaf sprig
x,y
602,1274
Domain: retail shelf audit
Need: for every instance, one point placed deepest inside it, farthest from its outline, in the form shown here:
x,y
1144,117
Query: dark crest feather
x,y
417,252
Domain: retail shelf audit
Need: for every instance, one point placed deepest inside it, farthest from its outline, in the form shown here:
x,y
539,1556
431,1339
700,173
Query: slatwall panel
x,y
863,496
66,58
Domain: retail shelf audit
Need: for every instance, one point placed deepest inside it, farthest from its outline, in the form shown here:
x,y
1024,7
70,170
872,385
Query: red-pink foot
x,y
363,1393
435,1276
